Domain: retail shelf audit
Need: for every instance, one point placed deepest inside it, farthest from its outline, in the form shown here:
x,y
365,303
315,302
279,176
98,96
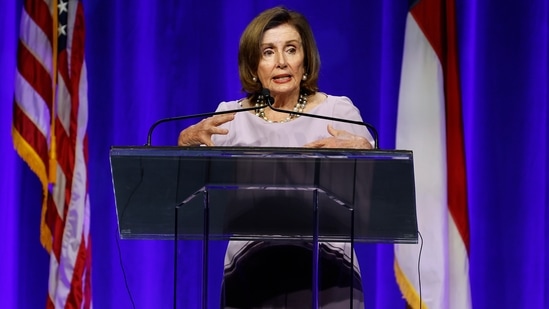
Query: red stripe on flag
x,y
56,225
71,83
63,68
57,220
443,38
49,304
65,149
27,129
76,295
428,17
457,179
77,61
88,284
39,12
77,56
35,74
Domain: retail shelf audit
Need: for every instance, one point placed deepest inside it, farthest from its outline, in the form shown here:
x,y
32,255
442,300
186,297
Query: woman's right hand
x,y
201,133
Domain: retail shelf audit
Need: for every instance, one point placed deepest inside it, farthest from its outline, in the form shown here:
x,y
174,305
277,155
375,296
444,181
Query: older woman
x,y
278,52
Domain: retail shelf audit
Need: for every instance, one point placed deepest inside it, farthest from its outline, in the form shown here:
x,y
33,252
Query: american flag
x,y
50,118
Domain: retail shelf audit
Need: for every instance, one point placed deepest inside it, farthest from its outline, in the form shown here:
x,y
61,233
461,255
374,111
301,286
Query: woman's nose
x,y
281,60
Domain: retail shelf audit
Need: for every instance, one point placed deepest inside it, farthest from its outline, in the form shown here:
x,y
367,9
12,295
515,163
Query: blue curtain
x,y
153,59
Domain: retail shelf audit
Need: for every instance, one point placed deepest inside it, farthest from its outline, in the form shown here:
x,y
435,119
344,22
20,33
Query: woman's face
x,y
280,67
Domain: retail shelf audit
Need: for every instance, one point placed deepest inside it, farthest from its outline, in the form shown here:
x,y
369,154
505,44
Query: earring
x,y
304,77
254,79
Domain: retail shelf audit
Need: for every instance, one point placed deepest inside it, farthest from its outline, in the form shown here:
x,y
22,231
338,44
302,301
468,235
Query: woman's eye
x,y
268,52
291,50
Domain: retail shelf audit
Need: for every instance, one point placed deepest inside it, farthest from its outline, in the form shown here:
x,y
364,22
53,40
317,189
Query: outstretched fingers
x,y
201,133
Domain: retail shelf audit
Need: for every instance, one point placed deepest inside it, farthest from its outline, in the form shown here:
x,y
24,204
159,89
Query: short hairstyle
x,y
249,53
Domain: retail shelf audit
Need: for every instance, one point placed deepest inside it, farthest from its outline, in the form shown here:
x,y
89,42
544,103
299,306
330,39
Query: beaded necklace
x,y
299,107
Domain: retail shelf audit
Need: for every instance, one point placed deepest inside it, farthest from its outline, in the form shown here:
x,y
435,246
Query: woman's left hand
x,y
341,139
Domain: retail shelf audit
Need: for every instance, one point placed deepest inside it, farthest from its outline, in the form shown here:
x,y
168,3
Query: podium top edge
x,y
198,151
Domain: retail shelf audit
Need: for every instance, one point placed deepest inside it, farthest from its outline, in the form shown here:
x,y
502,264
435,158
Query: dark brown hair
x,y
249,52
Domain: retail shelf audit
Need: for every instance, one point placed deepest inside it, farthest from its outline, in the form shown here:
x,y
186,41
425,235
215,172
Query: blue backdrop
x,y
154,59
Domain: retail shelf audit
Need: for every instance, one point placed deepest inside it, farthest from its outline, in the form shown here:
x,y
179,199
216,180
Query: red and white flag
x,y
50,119
430,123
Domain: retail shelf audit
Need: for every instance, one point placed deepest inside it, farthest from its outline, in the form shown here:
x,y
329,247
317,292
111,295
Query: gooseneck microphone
x,y
270,101
203,115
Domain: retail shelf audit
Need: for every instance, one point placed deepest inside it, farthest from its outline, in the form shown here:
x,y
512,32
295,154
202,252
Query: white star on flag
x,y
62,6
62,29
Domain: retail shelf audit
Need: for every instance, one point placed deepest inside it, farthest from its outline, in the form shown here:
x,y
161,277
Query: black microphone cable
x,y
203,115
270,101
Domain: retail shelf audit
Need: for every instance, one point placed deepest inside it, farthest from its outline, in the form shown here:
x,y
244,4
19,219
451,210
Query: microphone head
x,y
265,92
267,95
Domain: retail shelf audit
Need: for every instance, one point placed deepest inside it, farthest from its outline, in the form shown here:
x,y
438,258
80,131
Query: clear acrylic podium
x,y
264,194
